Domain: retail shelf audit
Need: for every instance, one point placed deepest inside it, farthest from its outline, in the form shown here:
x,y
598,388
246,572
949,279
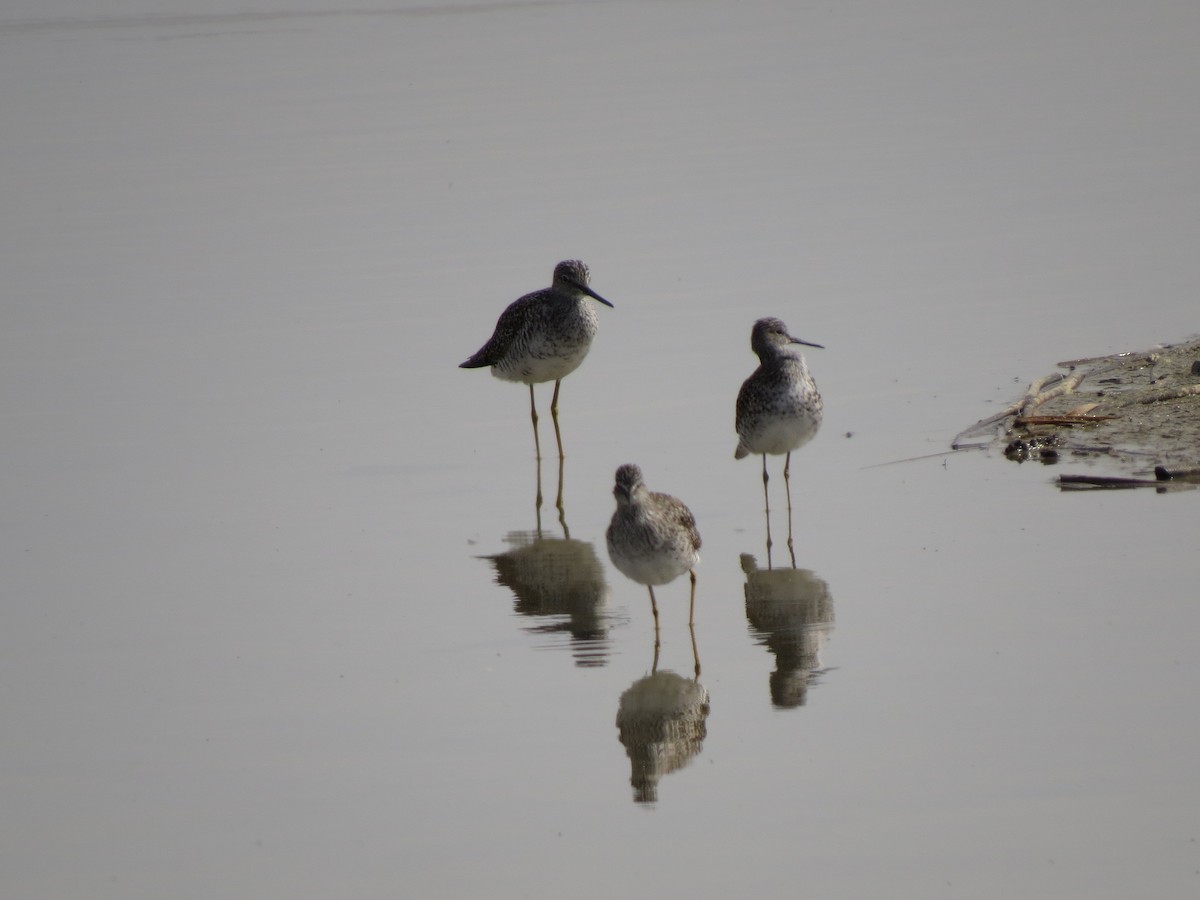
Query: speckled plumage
x,y
652,538
543,336
779,407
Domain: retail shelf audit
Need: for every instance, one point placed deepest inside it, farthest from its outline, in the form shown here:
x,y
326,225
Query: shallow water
x,y
277,620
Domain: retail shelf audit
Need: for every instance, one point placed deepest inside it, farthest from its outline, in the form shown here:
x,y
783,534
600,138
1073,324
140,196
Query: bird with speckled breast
x,y
779,408
544,336
652,538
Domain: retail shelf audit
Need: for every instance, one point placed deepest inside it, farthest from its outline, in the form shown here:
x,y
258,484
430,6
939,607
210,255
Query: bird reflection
x,y
661,722
559,579
791,612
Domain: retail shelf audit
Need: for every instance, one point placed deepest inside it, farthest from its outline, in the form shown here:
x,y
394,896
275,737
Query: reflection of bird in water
x,y
652,538
778,407
563,579
543,336
791,611
661,721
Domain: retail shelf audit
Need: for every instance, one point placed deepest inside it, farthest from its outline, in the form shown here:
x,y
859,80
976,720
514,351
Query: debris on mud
x,y
1136,412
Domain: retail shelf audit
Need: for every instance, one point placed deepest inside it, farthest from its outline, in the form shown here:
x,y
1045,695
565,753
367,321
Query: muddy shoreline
x,y
1132,418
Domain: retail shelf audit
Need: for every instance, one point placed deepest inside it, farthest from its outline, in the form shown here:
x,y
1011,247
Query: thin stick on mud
x,y
1188,390
1066,420
1066,386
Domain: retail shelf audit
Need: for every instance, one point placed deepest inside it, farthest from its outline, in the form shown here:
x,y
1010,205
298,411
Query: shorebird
x,y
652,538
779,406
543,336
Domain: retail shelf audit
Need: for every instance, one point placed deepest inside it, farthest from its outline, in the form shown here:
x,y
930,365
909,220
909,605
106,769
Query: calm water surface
x,y
282,615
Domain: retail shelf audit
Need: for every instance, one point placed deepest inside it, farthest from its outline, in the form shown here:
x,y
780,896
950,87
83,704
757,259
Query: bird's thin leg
x,y
787,474
654,609
554,416
562,512
692,603
767,500
695,652
787,484
537,444
538,501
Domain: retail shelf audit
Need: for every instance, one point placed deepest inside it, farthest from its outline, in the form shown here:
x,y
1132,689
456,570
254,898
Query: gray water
x,y
253,639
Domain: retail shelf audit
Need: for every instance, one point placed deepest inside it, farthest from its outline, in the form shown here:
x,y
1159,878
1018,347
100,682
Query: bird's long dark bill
x,y
796,340
587,290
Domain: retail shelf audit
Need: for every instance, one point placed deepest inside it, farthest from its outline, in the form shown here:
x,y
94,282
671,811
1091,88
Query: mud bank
x,y
1134,418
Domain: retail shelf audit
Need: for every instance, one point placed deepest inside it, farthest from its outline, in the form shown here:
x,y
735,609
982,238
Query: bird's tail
x,y
478,361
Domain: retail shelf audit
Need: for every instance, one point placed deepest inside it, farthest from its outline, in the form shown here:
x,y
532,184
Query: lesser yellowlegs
x,y
779,407
543,336
652,538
